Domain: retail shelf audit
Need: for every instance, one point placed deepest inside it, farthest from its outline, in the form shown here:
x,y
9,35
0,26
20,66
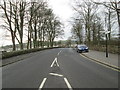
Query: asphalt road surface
x,y
58,68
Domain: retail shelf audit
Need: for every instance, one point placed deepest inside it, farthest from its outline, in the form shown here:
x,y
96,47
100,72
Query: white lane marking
x,y
55,60
42,84
59,52
68,84
55,74
57,63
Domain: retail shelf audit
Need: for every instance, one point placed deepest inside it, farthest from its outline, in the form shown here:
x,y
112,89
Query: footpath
x,y
112,60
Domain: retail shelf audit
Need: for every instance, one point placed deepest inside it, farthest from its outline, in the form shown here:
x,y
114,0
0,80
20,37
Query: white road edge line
x,y
55,74
68,84
53,62
42,84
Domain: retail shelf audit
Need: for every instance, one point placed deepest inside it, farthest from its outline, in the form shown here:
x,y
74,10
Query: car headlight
x,y
86,47
80,48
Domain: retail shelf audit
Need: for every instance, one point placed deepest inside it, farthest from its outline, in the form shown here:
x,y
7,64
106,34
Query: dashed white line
x,y
68,84
42,84
59,52
55,74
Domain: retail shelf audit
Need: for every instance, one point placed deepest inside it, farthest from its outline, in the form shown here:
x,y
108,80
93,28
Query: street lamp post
x,y
106,35
106,45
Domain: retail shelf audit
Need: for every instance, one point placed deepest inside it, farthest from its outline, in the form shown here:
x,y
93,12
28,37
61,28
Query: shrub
x,y
20,52
111,48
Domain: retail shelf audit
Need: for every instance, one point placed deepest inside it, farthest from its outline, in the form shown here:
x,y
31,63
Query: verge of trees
x,y
33,19
93,19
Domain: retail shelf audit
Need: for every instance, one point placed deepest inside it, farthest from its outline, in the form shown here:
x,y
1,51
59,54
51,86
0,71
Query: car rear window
x,y
82,46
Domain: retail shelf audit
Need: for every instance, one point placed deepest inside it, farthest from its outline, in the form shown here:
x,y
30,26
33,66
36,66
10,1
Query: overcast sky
x,y
62,9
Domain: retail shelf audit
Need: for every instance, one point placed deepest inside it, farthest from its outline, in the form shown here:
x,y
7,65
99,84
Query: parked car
x,y
82,48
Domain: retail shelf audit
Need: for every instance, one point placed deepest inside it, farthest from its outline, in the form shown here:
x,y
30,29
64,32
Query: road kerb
x,y
101,62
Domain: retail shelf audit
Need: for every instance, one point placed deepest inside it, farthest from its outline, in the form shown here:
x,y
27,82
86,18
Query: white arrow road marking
x,y
68,84
42,84
57,63
55,60
55,74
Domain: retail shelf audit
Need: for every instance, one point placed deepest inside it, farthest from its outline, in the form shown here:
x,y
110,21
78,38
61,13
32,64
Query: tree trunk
x,y
118,17
21,43
98,35
13,41
109,25
30,39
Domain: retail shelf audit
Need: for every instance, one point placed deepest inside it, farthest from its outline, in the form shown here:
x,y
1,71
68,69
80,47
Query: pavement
x,y
111,60
58,68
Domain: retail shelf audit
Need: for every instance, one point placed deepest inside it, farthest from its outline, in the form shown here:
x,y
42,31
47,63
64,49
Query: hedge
x,y
111,48
20,52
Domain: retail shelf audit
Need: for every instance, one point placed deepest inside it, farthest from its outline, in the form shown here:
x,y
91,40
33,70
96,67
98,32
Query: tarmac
x,y
112,60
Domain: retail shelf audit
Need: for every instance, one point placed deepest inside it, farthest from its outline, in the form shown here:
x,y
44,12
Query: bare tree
x,y
8,11
34,17
19,21
77,30
87,11
113,5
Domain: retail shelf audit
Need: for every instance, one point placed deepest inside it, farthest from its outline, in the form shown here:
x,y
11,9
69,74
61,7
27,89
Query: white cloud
x,y
64,11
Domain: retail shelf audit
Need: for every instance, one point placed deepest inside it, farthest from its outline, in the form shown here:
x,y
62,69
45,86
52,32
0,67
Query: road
x,y
58,68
